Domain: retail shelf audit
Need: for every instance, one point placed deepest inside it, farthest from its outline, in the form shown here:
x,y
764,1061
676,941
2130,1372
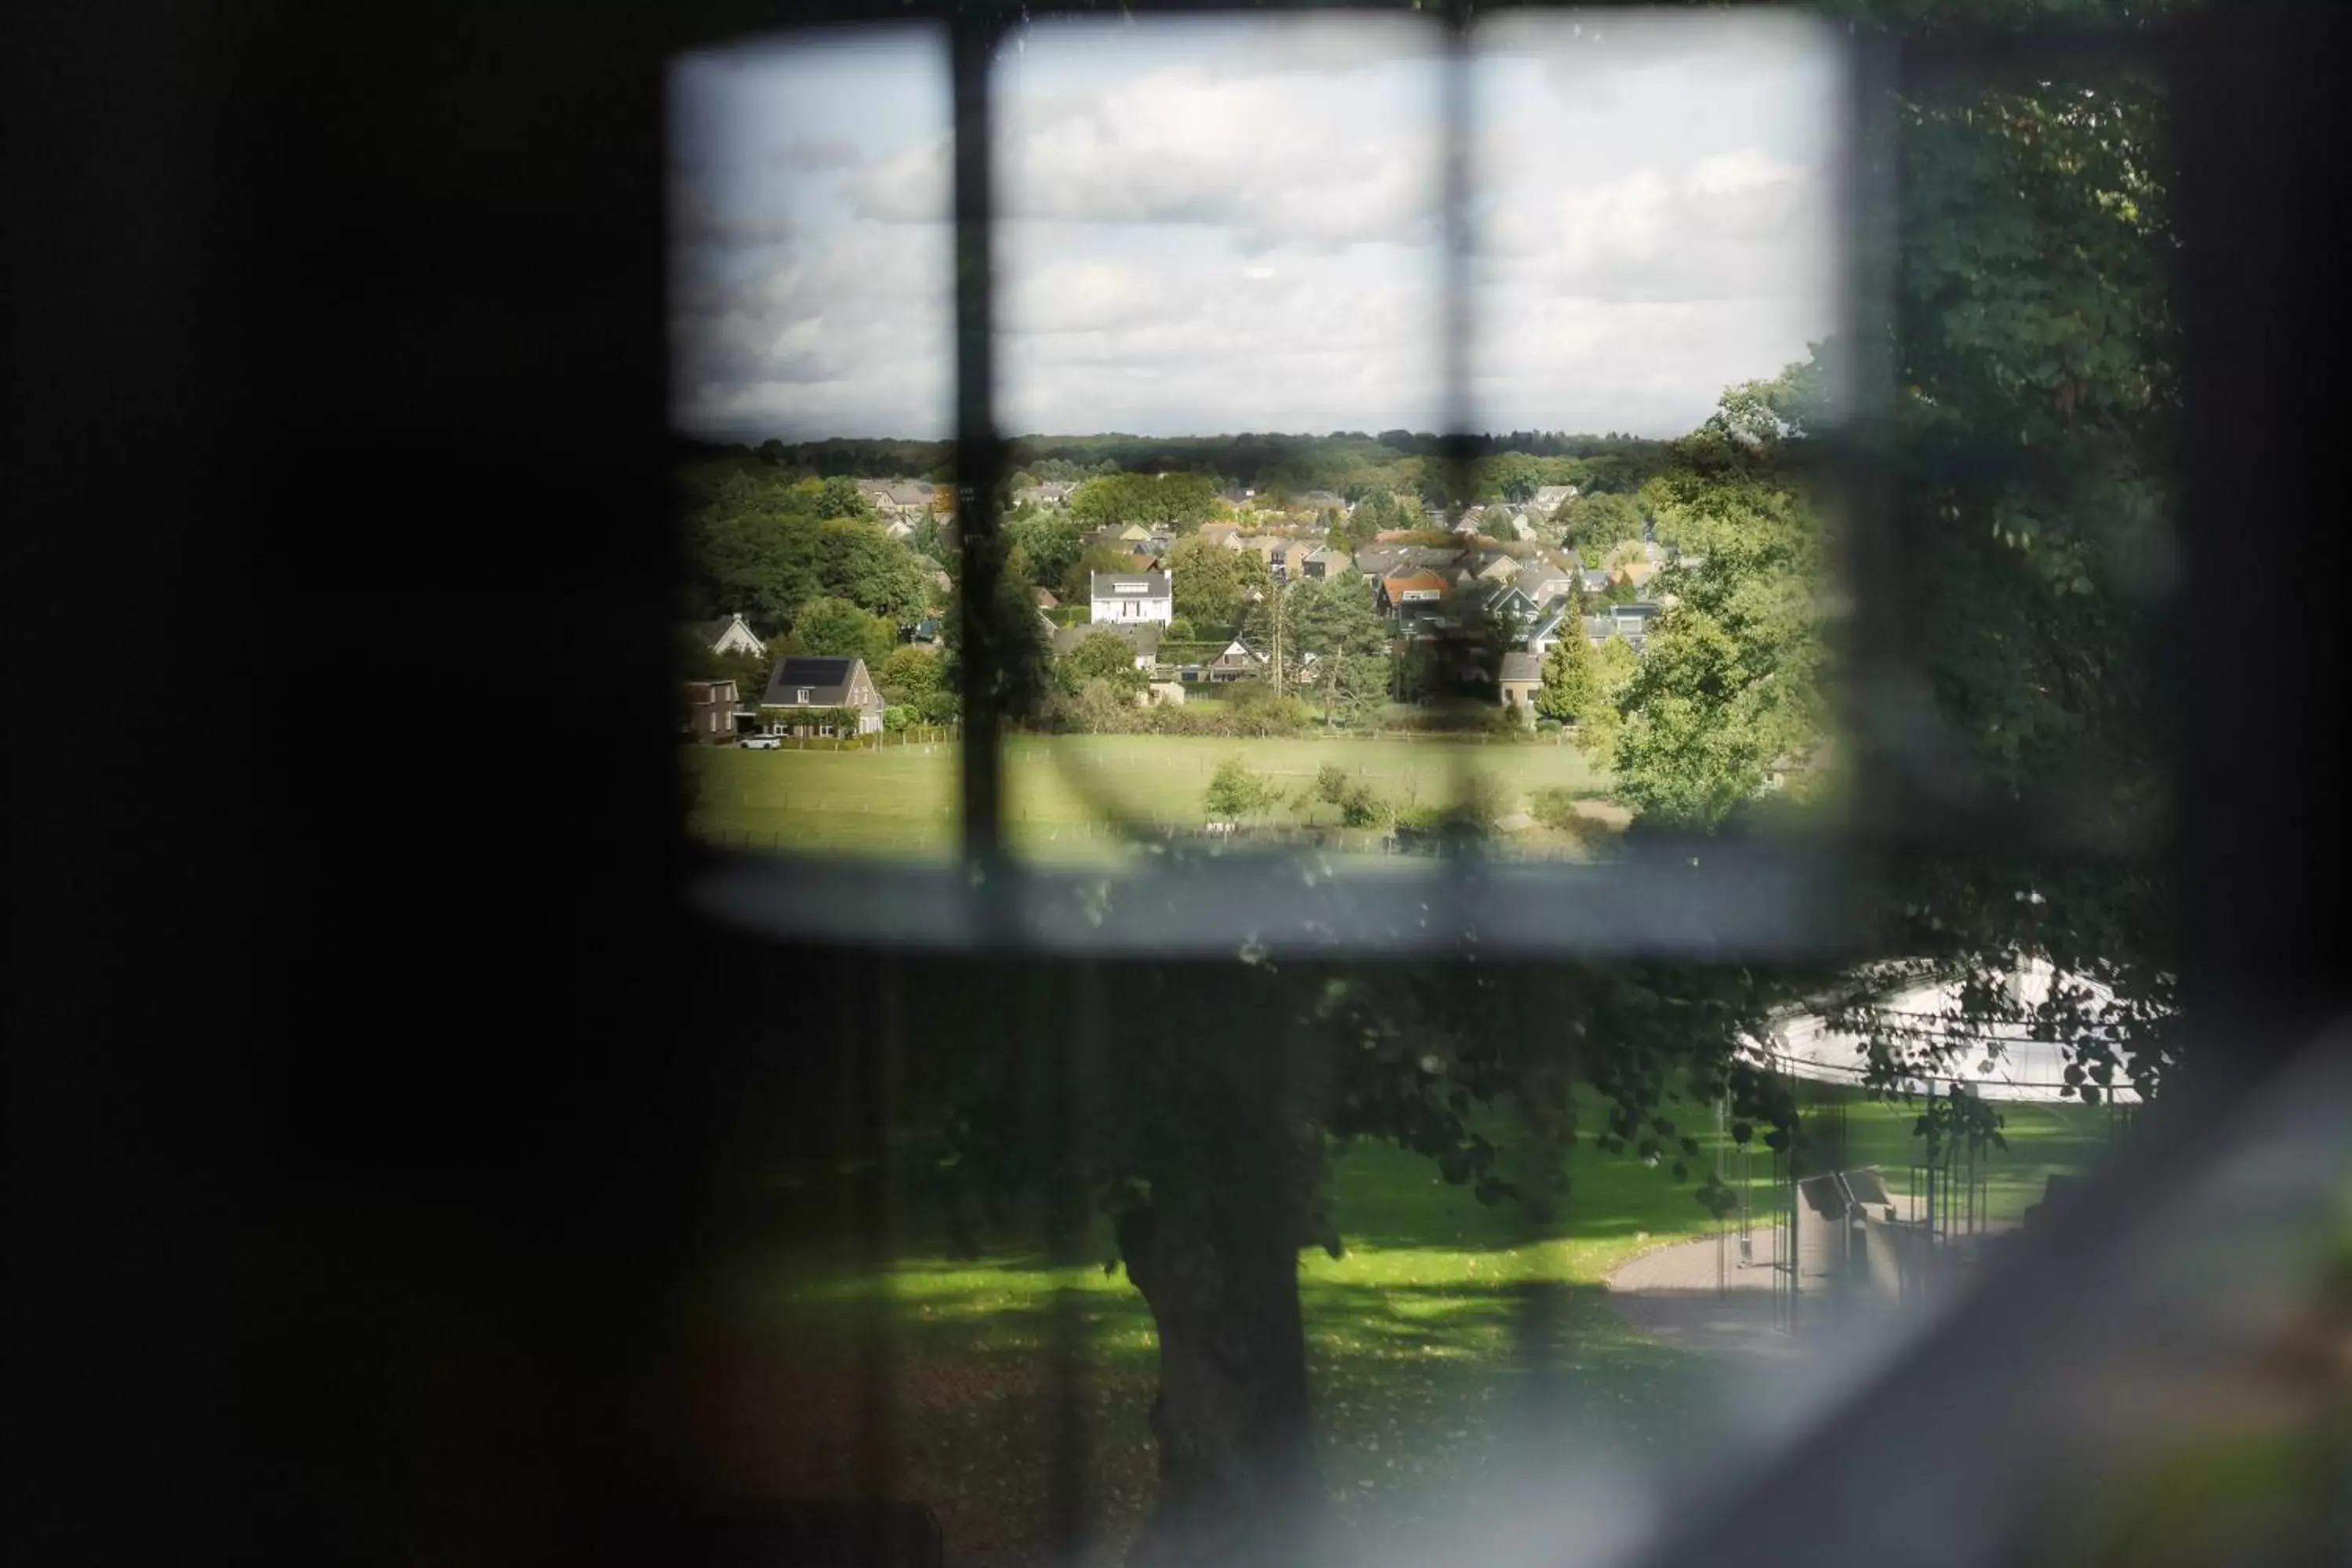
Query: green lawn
x,y
1062,791
1421,1393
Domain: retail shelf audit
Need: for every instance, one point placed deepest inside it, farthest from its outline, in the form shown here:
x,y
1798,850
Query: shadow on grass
x,y
1423,1391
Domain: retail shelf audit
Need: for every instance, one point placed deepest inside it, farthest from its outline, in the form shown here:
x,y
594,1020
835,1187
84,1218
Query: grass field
x,y
1421,1401
1062,791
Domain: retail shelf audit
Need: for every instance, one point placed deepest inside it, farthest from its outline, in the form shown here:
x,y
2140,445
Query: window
x,y
802,695
1762,900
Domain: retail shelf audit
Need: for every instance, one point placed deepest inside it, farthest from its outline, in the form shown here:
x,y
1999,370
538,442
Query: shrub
x,y
1358,805
1234,792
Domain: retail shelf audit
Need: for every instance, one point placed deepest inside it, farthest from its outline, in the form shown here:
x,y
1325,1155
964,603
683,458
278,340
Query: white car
x,y
760,743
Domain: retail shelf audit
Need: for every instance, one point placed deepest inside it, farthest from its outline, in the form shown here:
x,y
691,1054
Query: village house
x,y
1494,566
1238,662
727,634
806,693
1053,494
1415,586
1542,581
1548,498
1323,563
906,497
1522,678
1226,534
1131,596
710,709
1508,599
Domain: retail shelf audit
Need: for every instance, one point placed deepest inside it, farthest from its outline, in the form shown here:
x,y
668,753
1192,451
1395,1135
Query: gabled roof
x,y
711,631
827,680
1046,599
1522,667
907,492
1548,624
1418,578
1129,584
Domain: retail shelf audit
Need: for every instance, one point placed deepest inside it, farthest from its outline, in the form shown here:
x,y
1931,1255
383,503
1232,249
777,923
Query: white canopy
x,y
1991,1061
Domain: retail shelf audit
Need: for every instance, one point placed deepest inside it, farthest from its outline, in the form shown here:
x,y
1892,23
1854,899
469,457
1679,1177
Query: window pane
x,y
812,331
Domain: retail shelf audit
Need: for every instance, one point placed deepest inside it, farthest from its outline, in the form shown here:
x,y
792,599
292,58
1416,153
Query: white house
x,y
1132,596
727,634
1548,498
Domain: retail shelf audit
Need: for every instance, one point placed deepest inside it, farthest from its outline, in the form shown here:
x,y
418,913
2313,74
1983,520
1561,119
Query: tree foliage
x,y
838,629
1153,500
1236,793
1106,657
1212,583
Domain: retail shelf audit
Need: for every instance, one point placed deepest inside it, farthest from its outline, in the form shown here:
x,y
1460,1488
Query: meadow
x,y
1419,1338
1064,793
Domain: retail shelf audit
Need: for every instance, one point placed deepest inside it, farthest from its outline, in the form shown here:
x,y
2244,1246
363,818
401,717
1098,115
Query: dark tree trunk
x,y
1237,1481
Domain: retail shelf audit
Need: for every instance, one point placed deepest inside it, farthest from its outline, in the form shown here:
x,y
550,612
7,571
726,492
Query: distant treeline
x,y
1340,462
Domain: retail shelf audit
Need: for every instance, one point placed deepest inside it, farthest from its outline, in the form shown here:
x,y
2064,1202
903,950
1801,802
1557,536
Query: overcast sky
x,y
1216,227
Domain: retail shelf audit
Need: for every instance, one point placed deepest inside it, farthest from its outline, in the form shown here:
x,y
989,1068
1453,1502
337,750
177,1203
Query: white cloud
x,y
1221,227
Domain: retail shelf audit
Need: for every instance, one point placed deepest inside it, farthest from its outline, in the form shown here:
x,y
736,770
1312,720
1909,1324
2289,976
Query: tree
x,y
1358,805
1077,582
1049,544
911,674
1614,662
1596,522
1257,709
836,628
1356,690
1236,793
1104,656
1154,500
1212,583
1571,677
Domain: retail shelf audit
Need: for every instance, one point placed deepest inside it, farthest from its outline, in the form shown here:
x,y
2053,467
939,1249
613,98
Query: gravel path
x,y
1697,1295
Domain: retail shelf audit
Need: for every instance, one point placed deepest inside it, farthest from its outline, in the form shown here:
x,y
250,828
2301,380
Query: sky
x,y
1234,225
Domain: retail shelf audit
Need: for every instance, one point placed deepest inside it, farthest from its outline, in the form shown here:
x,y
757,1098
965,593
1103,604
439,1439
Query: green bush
x,y
1358,805
1234,792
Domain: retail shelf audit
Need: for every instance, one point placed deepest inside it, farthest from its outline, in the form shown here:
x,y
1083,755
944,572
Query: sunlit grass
x,y
1419,1338
1061,792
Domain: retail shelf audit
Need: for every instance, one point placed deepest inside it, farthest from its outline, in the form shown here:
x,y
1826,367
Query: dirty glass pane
x,y
1409,1144
813,364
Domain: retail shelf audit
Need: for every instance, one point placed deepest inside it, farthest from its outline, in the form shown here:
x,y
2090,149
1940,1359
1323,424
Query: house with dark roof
x,y
1521,679
710,709
1508,599
727,634
1323,563
807,694
1051,494
905,497
1144,635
